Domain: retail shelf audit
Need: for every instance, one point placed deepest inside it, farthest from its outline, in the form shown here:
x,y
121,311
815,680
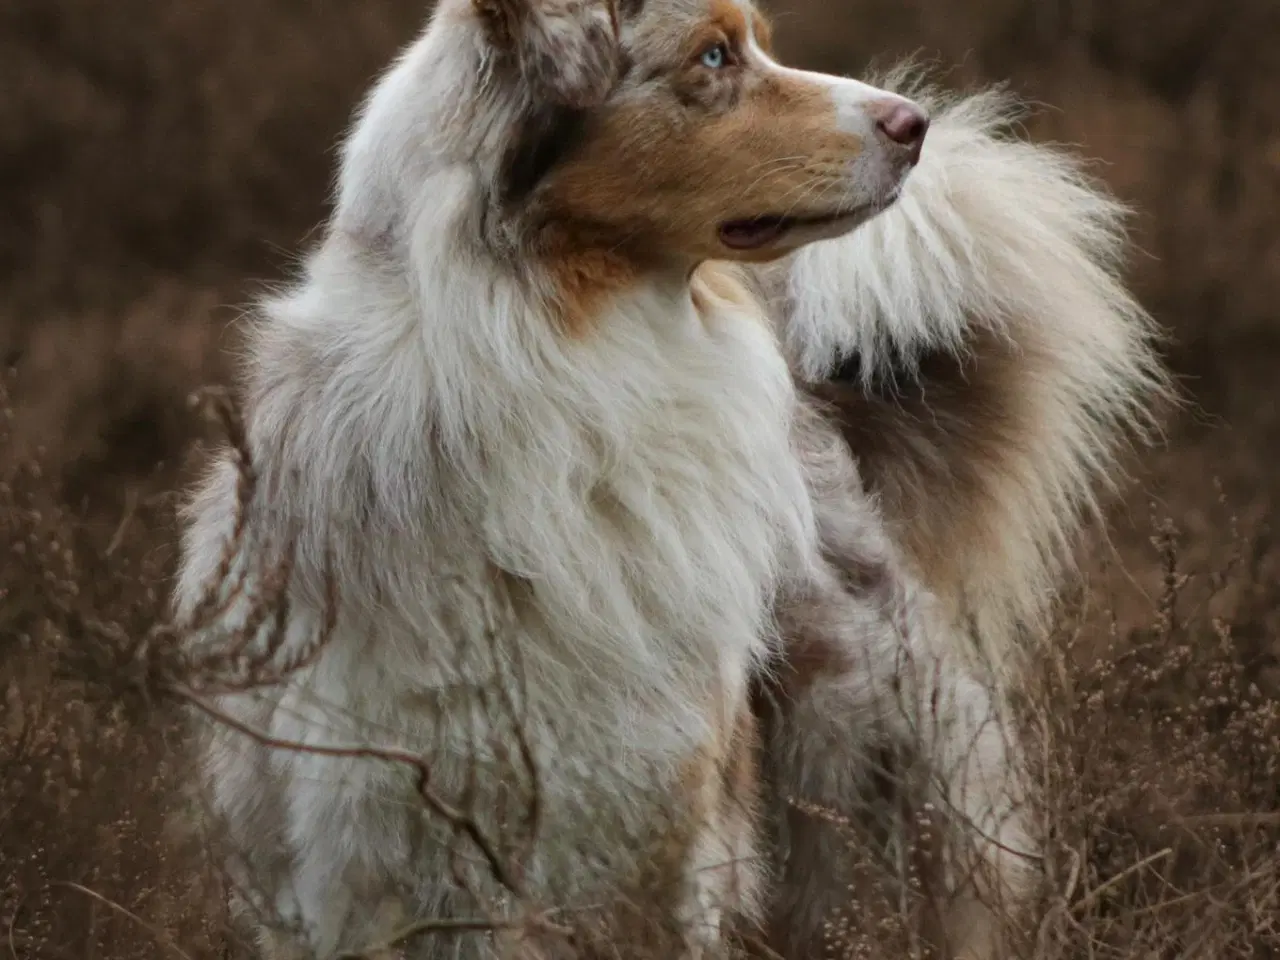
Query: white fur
x,y
896,677
857,106
611,518
618,510
996,233
1005,237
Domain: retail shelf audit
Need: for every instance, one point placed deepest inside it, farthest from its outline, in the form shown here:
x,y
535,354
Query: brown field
x,y
159,160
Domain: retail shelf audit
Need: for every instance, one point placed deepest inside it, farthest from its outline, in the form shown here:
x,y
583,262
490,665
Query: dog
x,y
977,353
525,469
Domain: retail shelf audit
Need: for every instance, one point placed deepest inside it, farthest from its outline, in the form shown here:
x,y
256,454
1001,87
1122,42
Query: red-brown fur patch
x,y
728,18
722,776
660,172
948,441
811,657
740,773
585,282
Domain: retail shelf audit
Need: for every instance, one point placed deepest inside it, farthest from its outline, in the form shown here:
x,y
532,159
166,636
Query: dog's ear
x,y
567,51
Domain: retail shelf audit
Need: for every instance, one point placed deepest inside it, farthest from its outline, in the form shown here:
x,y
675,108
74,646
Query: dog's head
x,y
667,128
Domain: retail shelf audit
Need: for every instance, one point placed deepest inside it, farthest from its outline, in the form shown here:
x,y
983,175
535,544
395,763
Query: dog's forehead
x,y
672,19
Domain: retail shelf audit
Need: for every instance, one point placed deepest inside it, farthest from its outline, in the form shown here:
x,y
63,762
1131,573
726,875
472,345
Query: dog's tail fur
x,y
984,360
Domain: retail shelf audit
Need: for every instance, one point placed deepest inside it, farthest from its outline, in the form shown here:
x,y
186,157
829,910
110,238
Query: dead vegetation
x,y
153,157
1156,759
1158,762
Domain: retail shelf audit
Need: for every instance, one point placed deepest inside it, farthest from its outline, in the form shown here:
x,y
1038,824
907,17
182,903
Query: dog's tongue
x,y
750,234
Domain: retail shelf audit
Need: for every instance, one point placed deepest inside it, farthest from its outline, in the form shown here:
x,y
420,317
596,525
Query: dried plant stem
x,y
462,822
159,935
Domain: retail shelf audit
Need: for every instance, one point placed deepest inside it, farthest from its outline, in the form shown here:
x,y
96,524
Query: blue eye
x,y
715,57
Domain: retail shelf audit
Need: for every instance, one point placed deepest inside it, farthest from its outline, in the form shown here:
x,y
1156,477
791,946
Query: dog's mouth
x,y
763,231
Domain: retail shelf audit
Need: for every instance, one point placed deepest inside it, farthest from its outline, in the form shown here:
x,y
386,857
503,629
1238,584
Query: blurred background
x,y
161,160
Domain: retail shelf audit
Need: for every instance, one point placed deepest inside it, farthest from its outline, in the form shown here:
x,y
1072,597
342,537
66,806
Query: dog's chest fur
x,y
601,524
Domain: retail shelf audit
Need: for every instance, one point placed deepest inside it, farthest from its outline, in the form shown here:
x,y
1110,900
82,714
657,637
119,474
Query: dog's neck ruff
x,y
632,490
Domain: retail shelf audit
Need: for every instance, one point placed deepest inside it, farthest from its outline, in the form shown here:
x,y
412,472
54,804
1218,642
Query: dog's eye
x,y
716,57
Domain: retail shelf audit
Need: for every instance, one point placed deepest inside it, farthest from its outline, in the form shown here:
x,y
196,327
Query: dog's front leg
x,y
864,674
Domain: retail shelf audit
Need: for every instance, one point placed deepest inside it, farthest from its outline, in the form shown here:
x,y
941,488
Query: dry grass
x,y
1158,761
1162,772
1157,764
88,764
154,155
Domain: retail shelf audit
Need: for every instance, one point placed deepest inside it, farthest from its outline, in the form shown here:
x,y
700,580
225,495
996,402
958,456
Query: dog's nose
x,y
903,123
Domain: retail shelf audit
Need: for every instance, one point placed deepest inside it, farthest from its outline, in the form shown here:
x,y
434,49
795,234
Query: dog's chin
x,y
775,235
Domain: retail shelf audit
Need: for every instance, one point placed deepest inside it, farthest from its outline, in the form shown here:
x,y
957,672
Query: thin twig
x,y
17,907
151,929
461,925
1093,895
442,808
421,928
130,507
1242,821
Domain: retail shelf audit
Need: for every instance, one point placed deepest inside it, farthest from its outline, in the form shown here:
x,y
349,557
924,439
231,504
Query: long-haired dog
x,y
977,353
544,458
